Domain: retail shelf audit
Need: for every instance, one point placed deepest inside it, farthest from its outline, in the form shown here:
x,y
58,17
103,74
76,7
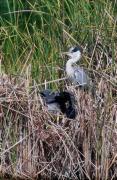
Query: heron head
x,y
74,52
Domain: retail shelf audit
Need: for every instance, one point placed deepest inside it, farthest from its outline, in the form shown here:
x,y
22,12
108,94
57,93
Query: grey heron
x,y
76,74
57,102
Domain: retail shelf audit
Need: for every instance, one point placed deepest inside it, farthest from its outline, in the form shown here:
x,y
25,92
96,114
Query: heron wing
x,y
80,76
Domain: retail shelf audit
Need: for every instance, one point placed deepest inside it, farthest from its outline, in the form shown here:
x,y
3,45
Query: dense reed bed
x,y
34,143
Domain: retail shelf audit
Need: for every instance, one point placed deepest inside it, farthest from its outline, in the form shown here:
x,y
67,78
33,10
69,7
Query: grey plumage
x,y
59,102
49,100
80,77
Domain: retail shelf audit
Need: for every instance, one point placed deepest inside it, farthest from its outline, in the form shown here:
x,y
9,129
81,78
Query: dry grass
x,y
35,144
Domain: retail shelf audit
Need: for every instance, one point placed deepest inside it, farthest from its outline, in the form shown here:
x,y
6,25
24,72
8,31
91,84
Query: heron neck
x,y
70,62
69,67
73,60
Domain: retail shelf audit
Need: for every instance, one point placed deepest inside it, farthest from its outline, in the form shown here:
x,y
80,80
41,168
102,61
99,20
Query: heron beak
x,y
66,54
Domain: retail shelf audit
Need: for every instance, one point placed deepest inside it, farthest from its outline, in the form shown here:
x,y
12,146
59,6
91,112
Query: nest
x,y
37,145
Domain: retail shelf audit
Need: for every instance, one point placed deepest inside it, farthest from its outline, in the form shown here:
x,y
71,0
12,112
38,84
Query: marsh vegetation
x,y
34,143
